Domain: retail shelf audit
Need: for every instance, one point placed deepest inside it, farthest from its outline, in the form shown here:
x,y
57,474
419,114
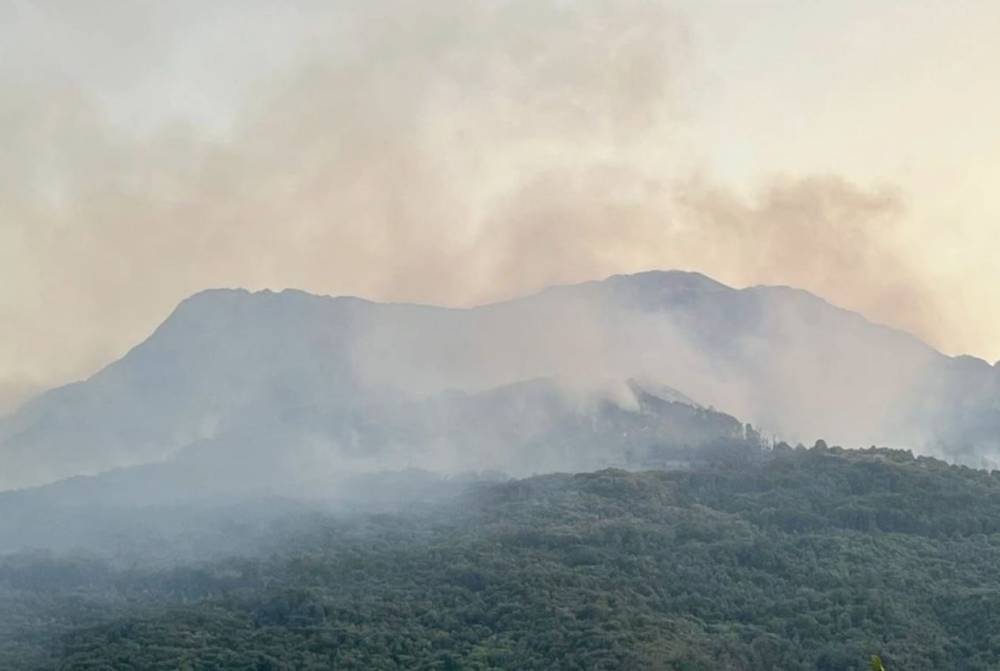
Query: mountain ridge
x,y
243,293
225,356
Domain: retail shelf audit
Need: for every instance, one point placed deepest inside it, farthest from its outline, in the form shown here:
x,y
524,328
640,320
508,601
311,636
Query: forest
x,y
766,558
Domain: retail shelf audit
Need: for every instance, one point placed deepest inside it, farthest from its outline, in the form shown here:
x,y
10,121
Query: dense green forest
x,y
789,559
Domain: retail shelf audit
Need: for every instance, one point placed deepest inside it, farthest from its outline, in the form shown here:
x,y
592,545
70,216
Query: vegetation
x,y
822,559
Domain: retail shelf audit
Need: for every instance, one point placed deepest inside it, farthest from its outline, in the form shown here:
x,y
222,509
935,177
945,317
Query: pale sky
x,y
458,151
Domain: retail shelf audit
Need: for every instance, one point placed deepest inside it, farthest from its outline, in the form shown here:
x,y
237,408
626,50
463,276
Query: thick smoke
x,y
11,394
451,152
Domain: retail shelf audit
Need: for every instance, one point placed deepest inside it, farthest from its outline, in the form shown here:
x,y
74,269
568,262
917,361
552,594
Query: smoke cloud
x,y
448,152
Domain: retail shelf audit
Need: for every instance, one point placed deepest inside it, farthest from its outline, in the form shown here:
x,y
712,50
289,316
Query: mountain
x,y
291,374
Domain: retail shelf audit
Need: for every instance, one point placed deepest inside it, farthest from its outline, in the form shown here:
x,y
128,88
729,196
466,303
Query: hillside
x,y
801,559
535,426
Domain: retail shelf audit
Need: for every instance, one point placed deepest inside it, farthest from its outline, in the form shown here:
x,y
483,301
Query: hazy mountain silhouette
x,y
344,380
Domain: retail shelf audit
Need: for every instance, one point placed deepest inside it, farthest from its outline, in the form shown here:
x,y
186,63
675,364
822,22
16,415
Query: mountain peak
x,y
223,304
673,280
228,296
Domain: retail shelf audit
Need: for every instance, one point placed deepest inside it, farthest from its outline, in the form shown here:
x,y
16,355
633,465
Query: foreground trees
x,y
808,559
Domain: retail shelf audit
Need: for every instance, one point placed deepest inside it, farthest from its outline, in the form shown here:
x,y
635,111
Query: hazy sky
x,y
458,152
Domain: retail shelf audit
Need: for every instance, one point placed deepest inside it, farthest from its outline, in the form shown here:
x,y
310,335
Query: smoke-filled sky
x,y
463,151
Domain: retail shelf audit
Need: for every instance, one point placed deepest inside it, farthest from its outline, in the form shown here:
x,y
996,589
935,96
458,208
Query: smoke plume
x,y
452,152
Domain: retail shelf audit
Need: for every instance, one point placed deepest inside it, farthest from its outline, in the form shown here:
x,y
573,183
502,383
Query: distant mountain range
x,y
268,382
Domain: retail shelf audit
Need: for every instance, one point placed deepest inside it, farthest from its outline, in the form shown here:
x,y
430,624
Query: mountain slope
x,y
409,450
226,360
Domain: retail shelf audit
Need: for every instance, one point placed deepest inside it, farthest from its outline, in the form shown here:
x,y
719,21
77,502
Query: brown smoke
x,y
449,152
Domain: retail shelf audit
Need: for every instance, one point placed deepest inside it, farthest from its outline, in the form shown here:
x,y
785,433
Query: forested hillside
x,y
794,559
